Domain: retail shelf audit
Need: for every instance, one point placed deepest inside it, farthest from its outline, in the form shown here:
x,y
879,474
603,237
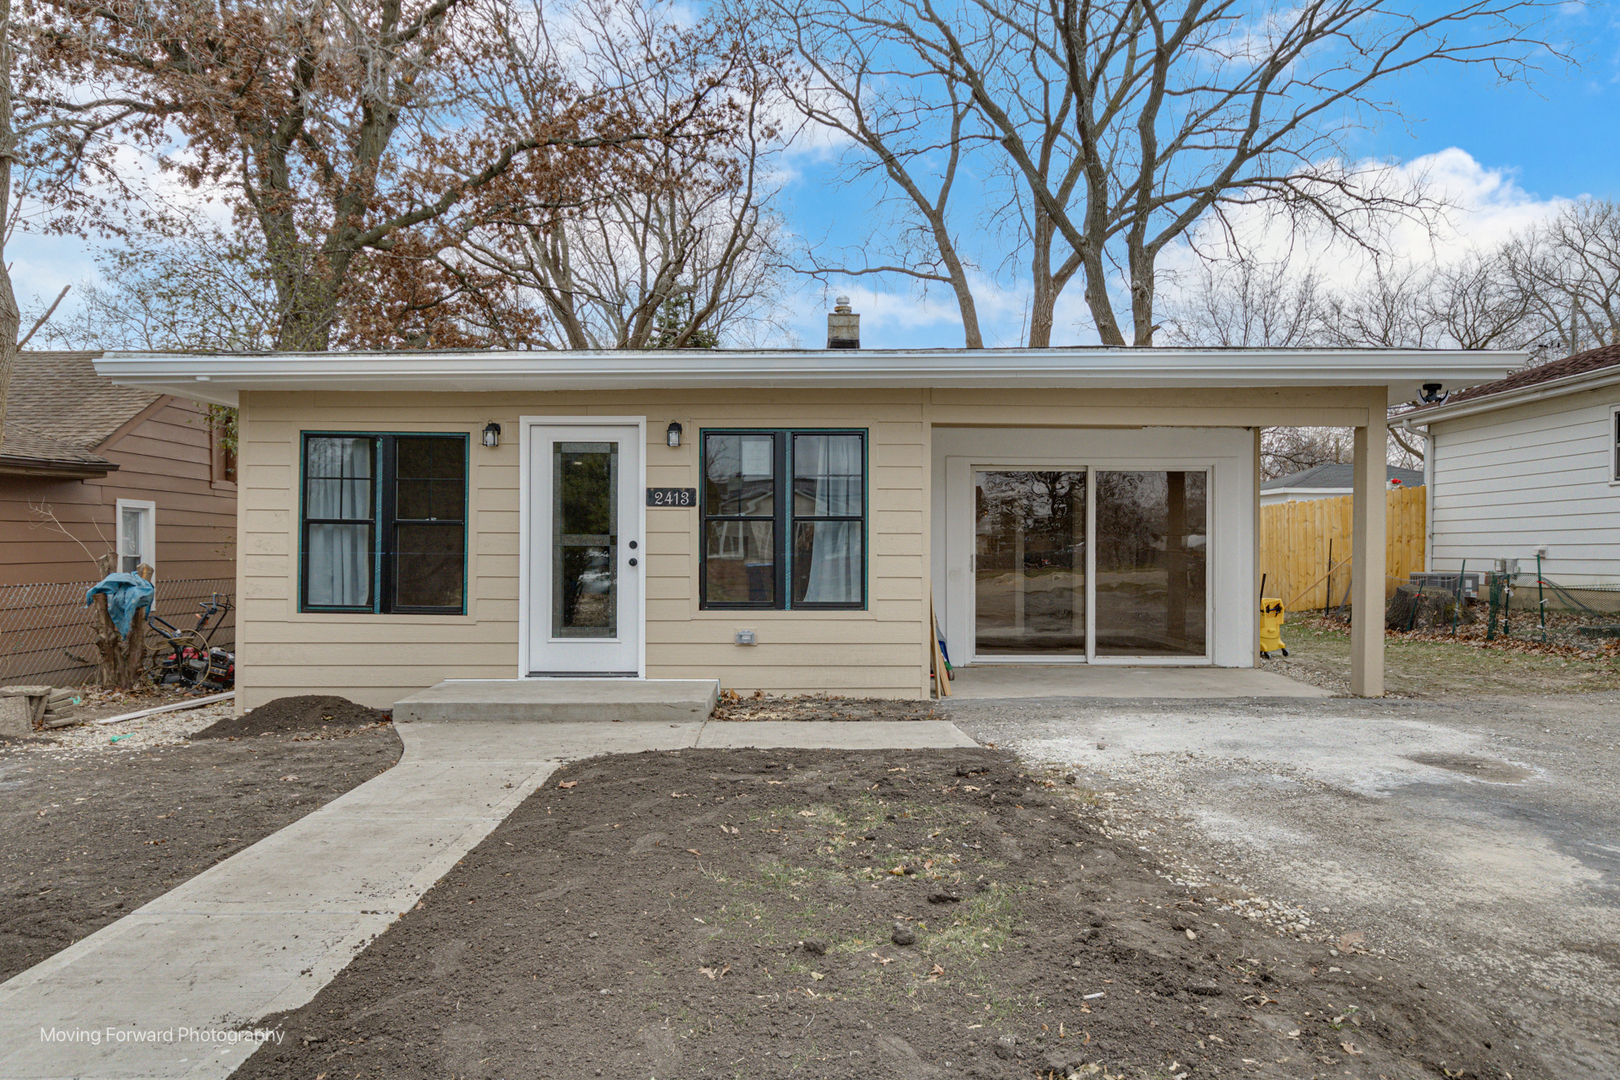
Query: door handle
x,y
632,562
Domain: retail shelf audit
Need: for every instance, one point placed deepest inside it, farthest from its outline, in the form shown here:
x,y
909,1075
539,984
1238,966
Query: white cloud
x,y
1484,207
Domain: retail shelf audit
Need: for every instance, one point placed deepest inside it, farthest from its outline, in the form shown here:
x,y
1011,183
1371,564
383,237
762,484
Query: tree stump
x,y
122,660
1412,609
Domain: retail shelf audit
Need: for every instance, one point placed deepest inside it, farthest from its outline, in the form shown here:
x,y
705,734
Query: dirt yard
x,y
93,830
832,914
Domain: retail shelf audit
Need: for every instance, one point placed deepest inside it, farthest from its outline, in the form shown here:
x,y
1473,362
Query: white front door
x,y
585,554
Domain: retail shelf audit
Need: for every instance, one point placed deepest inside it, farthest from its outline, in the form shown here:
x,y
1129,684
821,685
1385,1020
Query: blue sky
x,y
1557,137
1512,151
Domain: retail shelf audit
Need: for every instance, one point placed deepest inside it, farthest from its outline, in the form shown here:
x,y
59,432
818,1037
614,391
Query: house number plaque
x,y
672,496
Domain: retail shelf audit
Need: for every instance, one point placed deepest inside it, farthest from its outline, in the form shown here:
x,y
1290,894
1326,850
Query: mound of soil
x,y
760,706
927,914
288,715
90,839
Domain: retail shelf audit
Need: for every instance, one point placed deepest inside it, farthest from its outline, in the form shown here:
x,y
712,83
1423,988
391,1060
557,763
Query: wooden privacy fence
x,y
1296,538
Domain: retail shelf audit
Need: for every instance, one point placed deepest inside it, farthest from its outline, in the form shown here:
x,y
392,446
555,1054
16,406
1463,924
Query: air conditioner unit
x,y
1447,583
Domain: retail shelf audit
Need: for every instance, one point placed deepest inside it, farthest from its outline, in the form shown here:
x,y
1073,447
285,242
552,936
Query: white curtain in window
x,y
835,562
339,555
827,475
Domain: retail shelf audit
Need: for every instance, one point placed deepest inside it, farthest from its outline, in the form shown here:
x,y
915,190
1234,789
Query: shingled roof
x,y
1337,477
59,411
1578,364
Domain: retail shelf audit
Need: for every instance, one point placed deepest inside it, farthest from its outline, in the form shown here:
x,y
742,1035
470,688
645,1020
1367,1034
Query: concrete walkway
x,y
1142,683
158,993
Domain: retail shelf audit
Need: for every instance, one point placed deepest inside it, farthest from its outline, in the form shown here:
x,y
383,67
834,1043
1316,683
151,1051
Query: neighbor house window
x,y
137,534
784,519
384,523
1614,444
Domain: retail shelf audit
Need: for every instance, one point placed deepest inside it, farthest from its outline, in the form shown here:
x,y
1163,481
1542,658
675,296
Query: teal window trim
x,y
783,520
381,549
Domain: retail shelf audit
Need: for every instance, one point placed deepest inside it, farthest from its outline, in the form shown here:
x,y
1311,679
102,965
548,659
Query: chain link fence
x,y
1541,609
1509,605
47,634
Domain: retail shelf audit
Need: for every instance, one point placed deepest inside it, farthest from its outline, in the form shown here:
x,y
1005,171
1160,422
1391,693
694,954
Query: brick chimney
x,y
843,326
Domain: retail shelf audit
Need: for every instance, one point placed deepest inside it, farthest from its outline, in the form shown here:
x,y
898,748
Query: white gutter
x,y
1506,399
219,377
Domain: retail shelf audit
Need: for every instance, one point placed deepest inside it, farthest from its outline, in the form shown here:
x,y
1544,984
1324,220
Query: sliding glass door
x,y
1152,551
1080,563
1030,563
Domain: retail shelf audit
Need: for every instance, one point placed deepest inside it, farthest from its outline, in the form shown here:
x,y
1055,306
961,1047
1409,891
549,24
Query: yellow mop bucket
x,y
1271,620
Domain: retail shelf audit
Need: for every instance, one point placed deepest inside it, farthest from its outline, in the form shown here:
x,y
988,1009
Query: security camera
x,y
1431,394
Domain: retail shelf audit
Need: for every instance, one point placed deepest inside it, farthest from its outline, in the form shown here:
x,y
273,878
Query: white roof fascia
x,y
1506,399
219,377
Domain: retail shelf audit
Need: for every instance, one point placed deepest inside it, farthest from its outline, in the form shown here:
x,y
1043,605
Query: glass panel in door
x,y
585,540
1152,552
1030,563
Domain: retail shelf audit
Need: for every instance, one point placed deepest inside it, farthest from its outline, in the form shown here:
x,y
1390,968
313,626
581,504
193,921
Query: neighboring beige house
x,y
779,521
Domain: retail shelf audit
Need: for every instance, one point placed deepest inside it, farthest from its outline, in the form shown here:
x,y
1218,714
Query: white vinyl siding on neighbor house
x,y
1541,474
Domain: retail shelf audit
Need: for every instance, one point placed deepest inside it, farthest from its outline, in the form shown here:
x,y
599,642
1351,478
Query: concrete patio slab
x,y
562,700
163,989
982,681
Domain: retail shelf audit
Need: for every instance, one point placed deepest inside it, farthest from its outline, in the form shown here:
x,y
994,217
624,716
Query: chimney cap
x,y
843,326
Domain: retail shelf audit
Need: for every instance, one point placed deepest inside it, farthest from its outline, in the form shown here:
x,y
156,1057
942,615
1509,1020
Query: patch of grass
x,y
980,923
1453,668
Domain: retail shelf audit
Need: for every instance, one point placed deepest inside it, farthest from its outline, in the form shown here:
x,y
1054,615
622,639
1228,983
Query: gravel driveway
x,y
1478,840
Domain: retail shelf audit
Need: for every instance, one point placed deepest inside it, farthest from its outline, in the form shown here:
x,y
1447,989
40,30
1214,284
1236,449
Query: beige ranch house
x,y
782,521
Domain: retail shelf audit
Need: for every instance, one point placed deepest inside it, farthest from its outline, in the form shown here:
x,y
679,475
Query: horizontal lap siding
x,y
1540,474
377,659
163,458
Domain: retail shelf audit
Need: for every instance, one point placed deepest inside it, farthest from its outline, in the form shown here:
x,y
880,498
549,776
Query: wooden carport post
x,y
1367,550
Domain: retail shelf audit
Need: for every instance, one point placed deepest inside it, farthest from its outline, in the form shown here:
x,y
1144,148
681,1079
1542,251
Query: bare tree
x,y
1245,304
199,289
17,173
10,318
686,224
342,133
869,80
1567,273
1290,450
1471,302
1174,112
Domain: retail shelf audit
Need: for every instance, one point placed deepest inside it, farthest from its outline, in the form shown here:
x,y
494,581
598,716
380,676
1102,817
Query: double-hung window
x,y
383,526
1614,444
784,519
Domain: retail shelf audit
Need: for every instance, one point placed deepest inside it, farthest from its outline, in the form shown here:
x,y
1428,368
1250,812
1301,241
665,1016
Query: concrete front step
x,y
567,700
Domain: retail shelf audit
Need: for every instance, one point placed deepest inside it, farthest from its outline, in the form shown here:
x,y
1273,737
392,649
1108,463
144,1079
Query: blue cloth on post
x,y
126,593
